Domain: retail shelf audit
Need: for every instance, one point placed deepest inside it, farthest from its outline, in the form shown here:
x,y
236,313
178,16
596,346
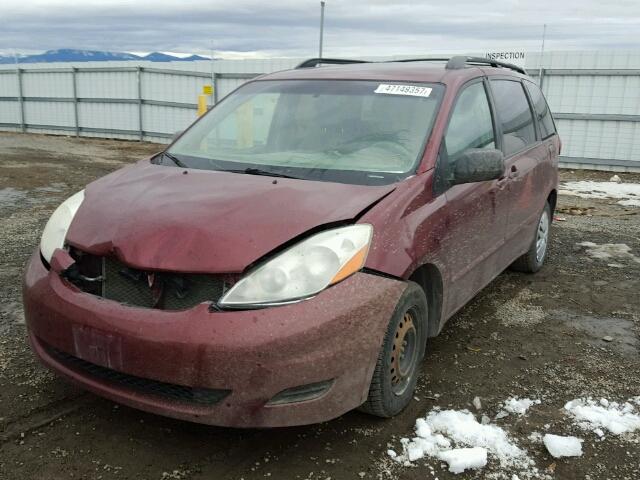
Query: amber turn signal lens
x,y
352,266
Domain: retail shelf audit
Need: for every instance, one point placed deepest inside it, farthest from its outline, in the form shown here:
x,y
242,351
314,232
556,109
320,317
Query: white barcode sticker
x,y
403,89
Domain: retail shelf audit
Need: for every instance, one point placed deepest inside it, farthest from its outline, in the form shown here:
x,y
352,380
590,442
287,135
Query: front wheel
x,y
532,261
396,373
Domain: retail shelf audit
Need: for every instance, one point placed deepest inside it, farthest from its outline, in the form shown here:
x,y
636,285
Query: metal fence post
x,y
139,80
76,122
23,127
214,78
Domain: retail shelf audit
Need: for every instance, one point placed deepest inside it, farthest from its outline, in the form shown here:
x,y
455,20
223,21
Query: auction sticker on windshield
x,y
401,89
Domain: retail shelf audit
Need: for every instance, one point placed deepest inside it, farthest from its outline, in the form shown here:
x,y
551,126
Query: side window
x,y
543,114
470,125
514,115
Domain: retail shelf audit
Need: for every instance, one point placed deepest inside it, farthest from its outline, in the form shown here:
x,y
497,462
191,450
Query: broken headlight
x,y
304,269
55,231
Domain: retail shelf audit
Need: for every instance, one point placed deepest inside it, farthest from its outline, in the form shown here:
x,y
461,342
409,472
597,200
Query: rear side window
x,y
470,125
543,114
514,115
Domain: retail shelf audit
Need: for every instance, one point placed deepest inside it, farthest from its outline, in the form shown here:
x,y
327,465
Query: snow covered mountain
x,y
71,55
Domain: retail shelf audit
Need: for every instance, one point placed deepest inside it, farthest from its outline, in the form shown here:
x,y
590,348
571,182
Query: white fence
x,y
595,97
115,99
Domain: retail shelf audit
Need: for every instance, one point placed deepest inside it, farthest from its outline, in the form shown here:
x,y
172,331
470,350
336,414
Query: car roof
x,y
426,71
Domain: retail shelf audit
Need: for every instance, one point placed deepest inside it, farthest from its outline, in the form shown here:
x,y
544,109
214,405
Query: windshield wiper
x,y
258,171
175,160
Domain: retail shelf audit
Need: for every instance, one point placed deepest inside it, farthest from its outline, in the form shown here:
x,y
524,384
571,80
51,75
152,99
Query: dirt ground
x,y
537,336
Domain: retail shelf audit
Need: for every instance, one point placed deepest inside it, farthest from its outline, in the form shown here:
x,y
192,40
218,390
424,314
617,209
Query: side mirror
x,y
478,165
176,135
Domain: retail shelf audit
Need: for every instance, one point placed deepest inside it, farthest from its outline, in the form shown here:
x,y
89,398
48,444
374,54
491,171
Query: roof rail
x,y
316,62
458,62
432,59
453,63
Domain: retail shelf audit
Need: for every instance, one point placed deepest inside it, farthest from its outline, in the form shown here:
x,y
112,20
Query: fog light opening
x,y
302,393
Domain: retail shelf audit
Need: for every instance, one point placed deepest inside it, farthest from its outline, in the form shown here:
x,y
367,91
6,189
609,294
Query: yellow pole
x,y
203,101
202,104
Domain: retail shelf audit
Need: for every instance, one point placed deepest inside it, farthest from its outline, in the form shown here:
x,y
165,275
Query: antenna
x,y
544,34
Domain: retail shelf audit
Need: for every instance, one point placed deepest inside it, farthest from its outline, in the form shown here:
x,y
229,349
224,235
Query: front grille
x,y
168,391
109,278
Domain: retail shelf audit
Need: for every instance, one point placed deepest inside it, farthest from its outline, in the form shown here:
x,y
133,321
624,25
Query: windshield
x,y
334,130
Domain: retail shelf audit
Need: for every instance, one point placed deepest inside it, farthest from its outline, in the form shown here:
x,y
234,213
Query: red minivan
x,y
287,257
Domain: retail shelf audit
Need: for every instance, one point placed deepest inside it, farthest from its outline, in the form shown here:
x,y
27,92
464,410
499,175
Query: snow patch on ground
x,y
459,439
631,202
609,251
563,446
628,193
518,406
456,437
461,459
599,415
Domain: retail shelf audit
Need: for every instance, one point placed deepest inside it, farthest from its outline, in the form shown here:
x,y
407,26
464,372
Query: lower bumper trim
x,y
166,391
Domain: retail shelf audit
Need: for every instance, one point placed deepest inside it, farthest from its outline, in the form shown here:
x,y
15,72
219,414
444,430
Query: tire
x,y
394,380
533,260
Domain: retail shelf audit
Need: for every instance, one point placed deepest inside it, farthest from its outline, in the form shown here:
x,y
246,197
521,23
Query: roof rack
x,y
453,63
431,59
315,62
461,61
458,62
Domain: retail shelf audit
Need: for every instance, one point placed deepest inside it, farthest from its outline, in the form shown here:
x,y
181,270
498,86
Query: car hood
x,y
168,218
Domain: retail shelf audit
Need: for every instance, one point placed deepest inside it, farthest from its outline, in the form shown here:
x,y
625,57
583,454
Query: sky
x,y
251,28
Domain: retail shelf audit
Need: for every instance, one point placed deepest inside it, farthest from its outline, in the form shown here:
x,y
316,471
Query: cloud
x,y
290,28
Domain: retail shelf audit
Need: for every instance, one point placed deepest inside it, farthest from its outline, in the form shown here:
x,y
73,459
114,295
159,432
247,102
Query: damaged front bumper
x,y
290,365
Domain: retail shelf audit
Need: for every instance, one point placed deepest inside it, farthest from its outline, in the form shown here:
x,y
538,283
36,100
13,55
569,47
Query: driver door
x,y
475,218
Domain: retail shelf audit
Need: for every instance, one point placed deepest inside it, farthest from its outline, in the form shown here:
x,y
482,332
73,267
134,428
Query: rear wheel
x,y
533,260
394,378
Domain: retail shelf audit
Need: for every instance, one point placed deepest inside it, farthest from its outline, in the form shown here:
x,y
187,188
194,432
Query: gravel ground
x,y
538,336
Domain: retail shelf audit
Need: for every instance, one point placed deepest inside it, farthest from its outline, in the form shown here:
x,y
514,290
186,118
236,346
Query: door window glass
x,y
470,125
514,115
543,114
